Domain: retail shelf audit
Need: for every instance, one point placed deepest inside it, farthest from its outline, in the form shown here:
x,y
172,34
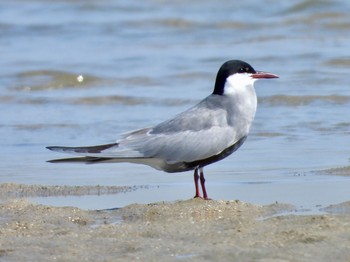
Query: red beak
x,y
260,74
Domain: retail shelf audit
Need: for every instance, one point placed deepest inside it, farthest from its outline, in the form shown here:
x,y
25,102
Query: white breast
x,y
239,88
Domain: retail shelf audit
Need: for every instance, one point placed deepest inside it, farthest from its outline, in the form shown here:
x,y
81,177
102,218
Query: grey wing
x,y
189,146
195,134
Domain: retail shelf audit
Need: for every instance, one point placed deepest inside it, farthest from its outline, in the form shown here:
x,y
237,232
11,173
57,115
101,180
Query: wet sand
x,y
190,230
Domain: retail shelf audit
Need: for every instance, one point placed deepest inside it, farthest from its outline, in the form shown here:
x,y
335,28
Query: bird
x,y
208,132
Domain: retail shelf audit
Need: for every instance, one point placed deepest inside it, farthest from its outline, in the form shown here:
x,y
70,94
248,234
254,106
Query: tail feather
x,y
82,150
84,159
91,155
99,160
97,155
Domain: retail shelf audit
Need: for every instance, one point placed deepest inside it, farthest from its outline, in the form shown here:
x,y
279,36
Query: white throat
x,y
239,88
239,83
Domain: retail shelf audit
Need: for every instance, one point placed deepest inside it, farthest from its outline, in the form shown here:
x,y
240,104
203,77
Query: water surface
x,y
143,62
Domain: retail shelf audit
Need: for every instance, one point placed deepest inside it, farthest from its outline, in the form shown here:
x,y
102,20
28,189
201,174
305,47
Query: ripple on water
x,y
339,62
38,80
287,100
338,171
107,100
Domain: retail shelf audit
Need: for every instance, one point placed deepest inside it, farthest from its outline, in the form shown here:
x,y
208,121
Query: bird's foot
x,y
204,198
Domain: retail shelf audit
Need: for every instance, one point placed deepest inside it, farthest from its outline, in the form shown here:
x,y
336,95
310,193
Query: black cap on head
x,y
229,68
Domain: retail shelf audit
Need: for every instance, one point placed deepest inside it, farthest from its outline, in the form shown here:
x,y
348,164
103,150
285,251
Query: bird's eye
x,y
243,70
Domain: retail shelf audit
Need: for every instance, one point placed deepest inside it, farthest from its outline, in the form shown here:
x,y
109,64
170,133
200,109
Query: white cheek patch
x,y
237,83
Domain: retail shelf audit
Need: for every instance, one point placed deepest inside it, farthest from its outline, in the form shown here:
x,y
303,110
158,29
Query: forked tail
x,y
82,150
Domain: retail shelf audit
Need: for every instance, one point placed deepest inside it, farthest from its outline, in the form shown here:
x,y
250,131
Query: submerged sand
x,y
191,230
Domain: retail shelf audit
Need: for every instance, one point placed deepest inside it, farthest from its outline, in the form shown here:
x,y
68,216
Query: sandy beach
x,y
83,73
189,230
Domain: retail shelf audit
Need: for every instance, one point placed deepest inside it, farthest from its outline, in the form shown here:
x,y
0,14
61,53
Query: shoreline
x,y
188,230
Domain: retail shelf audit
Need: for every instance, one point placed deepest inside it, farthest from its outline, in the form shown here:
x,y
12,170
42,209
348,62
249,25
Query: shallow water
x,y
144,62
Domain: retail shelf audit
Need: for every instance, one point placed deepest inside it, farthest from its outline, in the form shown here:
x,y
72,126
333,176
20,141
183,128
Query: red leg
x,y
205,196
196,177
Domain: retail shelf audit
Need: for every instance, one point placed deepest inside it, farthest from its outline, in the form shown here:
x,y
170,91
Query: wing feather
x,y
198,133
